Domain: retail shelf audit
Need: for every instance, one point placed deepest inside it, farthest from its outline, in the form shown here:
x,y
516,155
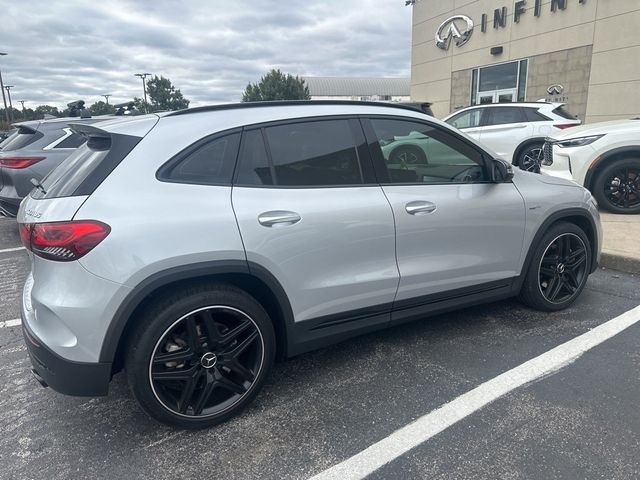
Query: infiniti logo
x,y
450,29
556,89
208,360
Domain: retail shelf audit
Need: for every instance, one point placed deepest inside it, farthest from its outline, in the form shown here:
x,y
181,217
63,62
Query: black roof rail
x,y
284,103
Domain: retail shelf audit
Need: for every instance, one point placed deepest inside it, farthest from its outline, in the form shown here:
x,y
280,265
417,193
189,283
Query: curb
x,y
620,262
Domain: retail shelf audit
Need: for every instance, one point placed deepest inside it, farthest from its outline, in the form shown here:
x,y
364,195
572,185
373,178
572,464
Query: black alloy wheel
x,y
559,268
206,361
531,158
622,188
563,268
199,354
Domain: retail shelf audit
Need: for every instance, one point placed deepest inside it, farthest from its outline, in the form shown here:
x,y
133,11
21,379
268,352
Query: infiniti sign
x,y
450,29
556,89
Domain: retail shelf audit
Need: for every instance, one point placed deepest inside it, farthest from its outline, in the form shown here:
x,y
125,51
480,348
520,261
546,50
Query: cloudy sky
x,y
210,49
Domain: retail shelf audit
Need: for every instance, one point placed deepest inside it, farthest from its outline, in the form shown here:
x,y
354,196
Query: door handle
x,y
420,207
278,218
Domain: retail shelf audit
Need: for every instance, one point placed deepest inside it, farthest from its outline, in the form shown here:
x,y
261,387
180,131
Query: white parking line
x,y
11,323
429,425
11,249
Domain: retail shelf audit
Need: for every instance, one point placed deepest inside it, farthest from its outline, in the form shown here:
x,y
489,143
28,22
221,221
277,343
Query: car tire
x,y
617,187
408,155
530,157
559,268
199,355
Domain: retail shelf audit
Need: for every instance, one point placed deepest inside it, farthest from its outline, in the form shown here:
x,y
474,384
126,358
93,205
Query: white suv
x,y
515,131
603,157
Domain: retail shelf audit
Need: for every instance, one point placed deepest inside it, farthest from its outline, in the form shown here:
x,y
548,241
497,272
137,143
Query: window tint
x,y
417,153
503,115
314,153
468,119
253,165
211,162
563,113
72,141
533,115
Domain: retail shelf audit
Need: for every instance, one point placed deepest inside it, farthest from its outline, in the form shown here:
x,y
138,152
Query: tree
x,y
275,85
101,108
162,95
43,110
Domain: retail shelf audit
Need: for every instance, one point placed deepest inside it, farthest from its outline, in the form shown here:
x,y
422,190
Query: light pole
x,y
144,87
7,88
24,114
106,97
6,112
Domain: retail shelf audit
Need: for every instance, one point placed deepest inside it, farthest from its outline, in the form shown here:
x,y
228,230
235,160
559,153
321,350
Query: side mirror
x,y
501,171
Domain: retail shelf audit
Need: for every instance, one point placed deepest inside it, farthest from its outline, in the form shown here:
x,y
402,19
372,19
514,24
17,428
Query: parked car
x,y
424,107
30,152
192,248
515,131
4,135
603,157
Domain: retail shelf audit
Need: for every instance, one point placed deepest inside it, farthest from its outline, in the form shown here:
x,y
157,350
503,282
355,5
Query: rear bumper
x,y
65,376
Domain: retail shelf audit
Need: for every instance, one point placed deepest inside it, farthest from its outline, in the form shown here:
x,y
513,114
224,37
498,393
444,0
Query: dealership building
x,y
585,53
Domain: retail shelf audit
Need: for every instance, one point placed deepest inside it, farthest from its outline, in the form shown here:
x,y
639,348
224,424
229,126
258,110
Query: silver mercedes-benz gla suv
x,y
193,248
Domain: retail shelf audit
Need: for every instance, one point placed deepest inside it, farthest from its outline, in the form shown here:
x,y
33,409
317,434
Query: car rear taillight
x,y
63,241
562,126
19,162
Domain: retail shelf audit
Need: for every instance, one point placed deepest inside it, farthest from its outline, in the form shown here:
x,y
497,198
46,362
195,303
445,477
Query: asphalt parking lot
x,y
322,408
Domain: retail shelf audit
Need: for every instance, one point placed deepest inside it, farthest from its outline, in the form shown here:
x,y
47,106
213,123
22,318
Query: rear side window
x,y
209,162
72,141
316,153
563,113
21,138
504,115
533,115
254,168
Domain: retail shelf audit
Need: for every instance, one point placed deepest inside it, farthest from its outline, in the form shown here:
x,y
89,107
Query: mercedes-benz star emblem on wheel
x,y
450,28
556,89
208,360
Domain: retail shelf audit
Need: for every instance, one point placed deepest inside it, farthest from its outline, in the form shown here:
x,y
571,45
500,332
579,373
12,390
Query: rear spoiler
x,y
88,130
137,126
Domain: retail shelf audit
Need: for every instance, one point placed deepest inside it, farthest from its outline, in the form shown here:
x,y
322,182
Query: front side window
x,y
417,153
468,119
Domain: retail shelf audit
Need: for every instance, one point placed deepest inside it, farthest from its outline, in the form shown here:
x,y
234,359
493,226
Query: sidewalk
x,y
621,246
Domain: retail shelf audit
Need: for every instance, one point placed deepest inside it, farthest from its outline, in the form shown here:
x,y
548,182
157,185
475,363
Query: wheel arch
x,y
250,277
605,160
524,144
579,217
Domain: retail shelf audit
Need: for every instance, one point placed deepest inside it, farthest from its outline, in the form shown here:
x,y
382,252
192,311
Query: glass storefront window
x,y
503,83
499,77
522,84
